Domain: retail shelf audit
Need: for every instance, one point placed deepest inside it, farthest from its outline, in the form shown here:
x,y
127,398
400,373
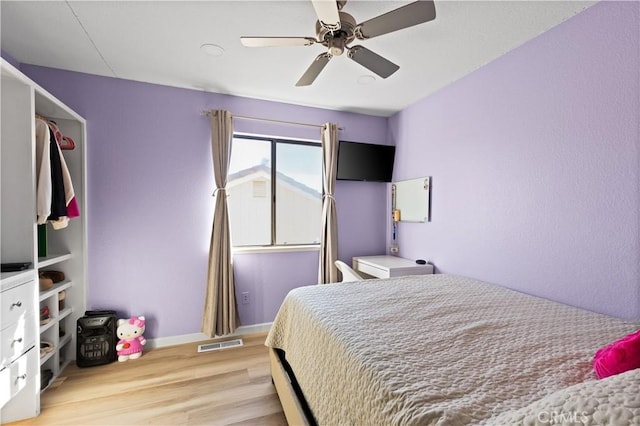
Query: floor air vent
x,y
220,345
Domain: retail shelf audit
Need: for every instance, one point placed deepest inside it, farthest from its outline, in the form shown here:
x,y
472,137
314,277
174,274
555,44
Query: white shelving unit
x,y
20,371
59,329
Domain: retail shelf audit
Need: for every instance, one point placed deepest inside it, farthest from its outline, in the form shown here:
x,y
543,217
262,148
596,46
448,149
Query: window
x,y
274,192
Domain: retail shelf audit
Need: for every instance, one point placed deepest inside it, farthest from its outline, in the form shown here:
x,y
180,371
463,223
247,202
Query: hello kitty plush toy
x,y
131,340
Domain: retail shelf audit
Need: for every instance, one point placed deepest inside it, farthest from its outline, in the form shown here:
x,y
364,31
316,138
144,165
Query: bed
x,y
443,350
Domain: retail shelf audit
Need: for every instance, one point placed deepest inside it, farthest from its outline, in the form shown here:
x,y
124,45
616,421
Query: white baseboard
x,y
199,337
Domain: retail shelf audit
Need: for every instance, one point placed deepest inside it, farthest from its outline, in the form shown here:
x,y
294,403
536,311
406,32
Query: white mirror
x,y
411,199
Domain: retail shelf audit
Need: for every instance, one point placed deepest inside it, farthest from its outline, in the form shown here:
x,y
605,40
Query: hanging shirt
x,y
43,172
71,205
58,202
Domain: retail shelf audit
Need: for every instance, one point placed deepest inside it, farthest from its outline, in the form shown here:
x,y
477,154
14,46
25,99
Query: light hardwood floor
x,y
168,386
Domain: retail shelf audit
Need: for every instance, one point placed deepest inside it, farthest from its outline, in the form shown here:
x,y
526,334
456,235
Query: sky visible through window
x,y
299,162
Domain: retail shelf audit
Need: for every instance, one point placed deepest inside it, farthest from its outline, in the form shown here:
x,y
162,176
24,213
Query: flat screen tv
x,y
365,162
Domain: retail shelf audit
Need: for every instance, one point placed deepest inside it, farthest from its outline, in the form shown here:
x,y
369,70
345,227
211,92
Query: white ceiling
x,y
159,42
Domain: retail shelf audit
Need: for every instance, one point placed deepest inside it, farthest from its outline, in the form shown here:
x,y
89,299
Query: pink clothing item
x,y
72,208
131,346
69,194
620,356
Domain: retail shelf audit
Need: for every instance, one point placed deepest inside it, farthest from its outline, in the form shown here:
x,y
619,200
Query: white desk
x,y
388,266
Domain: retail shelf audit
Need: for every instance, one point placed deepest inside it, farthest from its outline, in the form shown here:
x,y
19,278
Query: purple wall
x,y
535,165
9,59
150,181
534,158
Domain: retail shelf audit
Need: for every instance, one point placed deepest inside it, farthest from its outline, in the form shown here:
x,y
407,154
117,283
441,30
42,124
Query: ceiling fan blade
x,y
404,17
372,61
327,11
314,70
276,41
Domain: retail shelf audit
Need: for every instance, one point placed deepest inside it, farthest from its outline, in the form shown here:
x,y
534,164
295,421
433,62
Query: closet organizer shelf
x,y
46,358
65,313
48,325
57,288
61,343
64,340
56,320
21,98
52,259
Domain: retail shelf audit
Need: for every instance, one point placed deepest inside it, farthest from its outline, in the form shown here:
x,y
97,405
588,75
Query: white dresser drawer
x,y
5,386
371,270
16,339
23,370
16,303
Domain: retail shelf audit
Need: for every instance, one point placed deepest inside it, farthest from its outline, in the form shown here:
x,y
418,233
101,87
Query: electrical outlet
x,y
245,297
394,249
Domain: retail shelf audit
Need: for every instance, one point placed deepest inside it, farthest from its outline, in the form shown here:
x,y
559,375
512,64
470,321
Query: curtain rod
x,y
293,123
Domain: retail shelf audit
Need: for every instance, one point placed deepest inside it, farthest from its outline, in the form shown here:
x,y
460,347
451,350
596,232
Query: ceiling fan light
x,y
337,45
336,29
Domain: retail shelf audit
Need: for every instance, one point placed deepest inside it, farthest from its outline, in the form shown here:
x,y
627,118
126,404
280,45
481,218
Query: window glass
x,y
298,193
293,215
249,192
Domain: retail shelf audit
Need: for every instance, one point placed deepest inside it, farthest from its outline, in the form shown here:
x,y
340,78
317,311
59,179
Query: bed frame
x,y
293,403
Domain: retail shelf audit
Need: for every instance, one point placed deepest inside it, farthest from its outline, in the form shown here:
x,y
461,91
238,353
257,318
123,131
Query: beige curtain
x,y
220,299
328,273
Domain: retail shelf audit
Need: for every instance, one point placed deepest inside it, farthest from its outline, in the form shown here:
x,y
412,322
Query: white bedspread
x,y
433,349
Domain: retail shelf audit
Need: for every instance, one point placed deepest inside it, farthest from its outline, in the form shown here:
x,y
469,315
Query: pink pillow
x,y
620,356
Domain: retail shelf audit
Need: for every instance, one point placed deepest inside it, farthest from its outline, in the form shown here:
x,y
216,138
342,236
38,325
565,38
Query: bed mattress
x,y
433,349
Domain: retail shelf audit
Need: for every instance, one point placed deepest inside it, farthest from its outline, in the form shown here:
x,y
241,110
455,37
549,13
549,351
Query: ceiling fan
x,y
336,29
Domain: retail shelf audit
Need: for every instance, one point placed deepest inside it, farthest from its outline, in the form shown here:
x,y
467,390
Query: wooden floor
x,y
168,386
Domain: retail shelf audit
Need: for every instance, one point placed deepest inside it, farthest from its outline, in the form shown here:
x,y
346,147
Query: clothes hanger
x,y
65,142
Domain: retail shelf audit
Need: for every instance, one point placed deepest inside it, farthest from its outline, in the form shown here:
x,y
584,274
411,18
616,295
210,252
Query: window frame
x,y
274,141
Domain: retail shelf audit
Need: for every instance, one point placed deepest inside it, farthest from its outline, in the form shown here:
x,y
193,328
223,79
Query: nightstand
x,y
388,266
